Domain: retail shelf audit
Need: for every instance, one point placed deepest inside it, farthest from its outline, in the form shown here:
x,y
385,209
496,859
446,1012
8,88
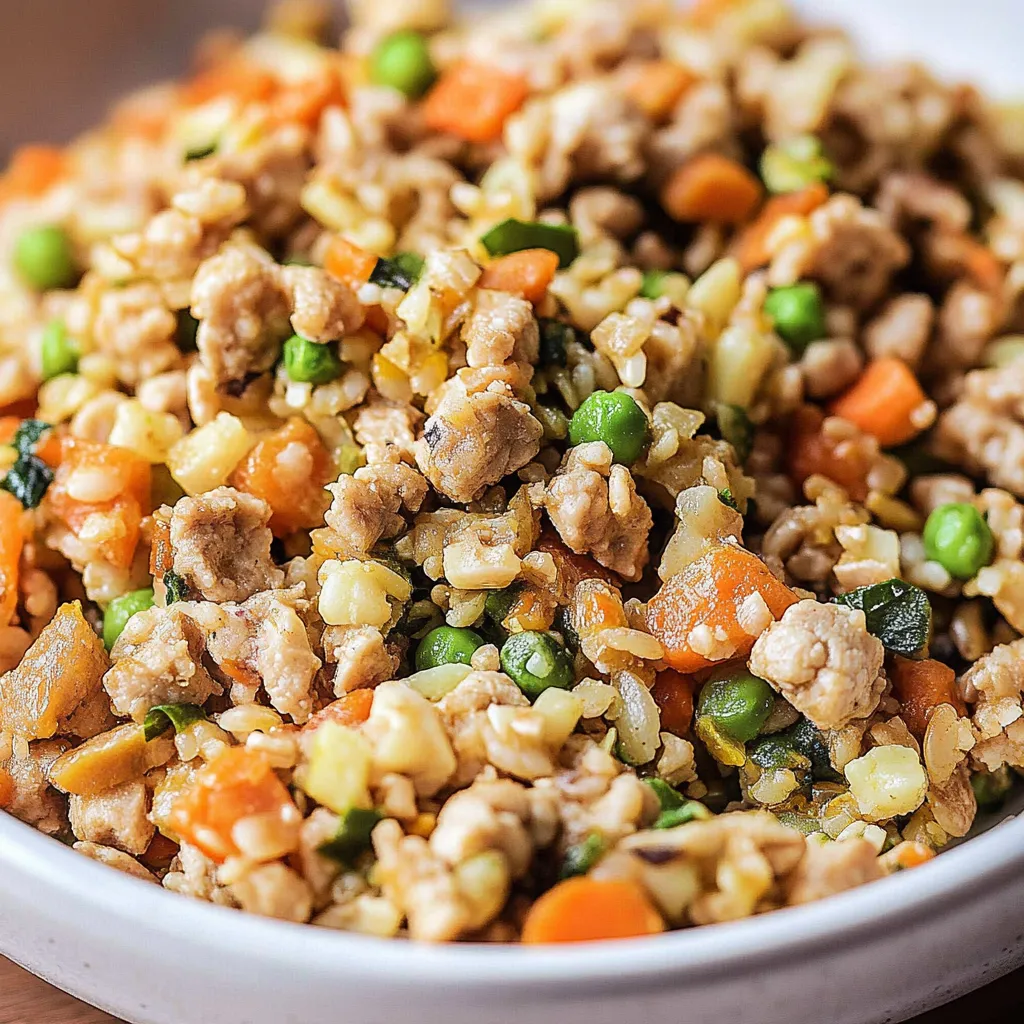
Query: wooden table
x,y
26,1000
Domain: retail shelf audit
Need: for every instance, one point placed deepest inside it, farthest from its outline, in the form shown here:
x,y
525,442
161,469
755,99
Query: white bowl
x,y
877,954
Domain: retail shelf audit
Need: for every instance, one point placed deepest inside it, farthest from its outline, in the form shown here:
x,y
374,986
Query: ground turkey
x,y
221,545
823,660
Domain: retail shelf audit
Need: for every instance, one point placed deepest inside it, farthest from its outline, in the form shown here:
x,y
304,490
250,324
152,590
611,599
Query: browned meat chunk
x,y
323,309
473,440
595,509
158,660
31,798
221,545
830,868
501,328
115,818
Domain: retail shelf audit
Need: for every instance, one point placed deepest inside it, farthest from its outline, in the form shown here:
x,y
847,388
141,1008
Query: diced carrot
x,y
921,686
673,693
161,555
243,81
160,852
907,855
12,540
596,606
33,170
113,523
350,710
288,469
532,608
571,569
347,262
882,402
236,784
304,102
656,86
240,672
708,593
751,247
528,273
21,409
711,187
8,428
473,101
812,452
586,909
6,788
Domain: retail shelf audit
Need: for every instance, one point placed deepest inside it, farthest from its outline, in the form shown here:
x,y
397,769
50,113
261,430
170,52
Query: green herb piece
x,y
447,645
690,810
201,151
27,436
653,284
59,353
44,259
800,823
614,418
735,427
792,165
401,271
308,362
957,536
165,716
120,610
992,788
186,331
402,61
726,498
535,661
582,856
499,602
777,751
555,337
897,613
668,796
806,738
28,480
515,235
176,587
737,706
798,313
353,835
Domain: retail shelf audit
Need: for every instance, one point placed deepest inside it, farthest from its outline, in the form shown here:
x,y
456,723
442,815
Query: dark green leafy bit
x,y
897,613
798,822
176,587
776,752
515,235
165,716
499,603
726,498
689,810
806,738
735,427
563,625
992,788
401,271
800,748
581,857
201,151
653,284
188,328
668,796
555,337
353,835
29,477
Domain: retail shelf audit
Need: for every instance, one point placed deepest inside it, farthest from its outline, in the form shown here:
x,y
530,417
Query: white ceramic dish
x,y
878,954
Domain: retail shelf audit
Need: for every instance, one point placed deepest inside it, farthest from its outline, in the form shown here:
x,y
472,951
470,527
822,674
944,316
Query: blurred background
x,y
62,62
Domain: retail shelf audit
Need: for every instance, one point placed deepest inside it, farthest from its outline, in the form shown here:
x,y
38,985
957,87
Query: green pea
x,y
738,705
120,610
59,352
402,61
653,284
798,312
958,538
309,362
535,661
615,418
43,258
447,645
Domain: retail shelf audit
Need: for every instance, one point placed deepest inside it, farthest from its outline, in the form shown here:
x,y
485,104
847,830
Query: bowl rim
x,y
695,954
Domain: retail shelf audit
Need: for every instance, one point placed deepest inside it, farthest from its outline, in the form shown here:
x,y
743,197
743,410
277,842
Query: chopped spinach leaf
x,y
898,613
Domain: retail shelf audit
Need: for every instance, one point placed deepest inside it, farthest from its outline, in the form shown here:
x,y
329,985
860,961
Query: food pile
x,y
545,478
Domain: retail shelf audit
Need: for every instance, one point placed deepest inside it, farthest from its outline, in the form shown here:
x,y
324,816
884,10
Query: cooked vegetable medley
x,y
556,477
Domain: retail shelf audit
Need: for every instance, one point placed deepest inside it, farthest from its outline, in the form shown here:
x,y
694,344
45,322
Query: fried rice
x,y
554,476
